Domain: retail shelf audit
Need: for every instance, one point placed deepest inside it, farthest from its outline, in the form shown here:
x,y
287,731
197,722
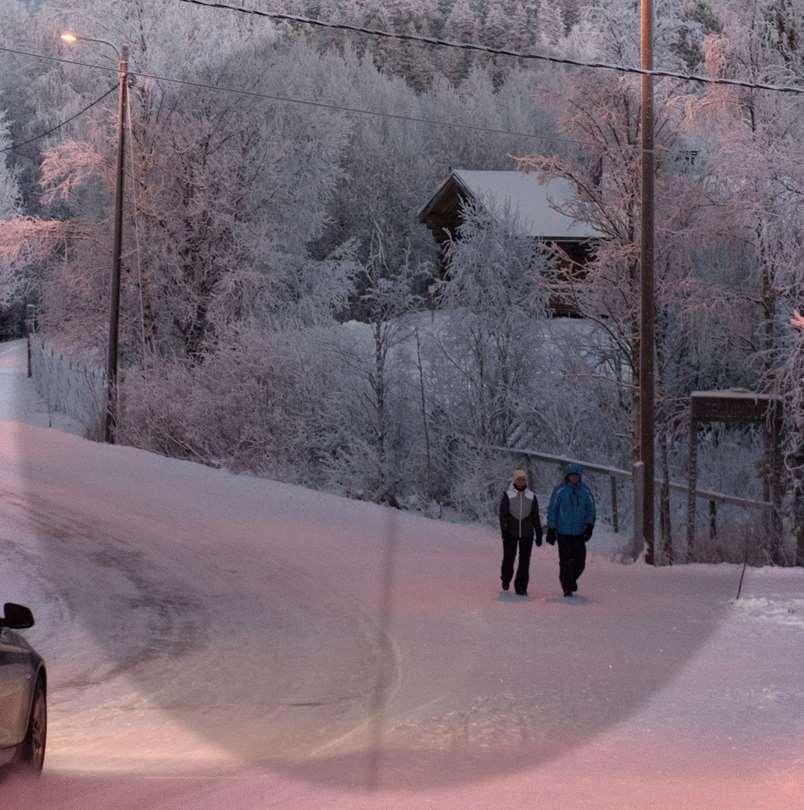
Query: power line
x,y
477,47
15,146
304,102
62,59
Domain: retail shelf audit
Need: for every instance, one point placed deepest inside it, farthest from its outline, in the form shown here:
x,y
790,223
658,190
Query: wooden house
x,y
535,204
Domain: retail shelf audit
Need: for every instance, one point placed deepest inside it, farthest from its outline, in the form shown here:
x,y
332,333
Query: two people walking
x,y
570,523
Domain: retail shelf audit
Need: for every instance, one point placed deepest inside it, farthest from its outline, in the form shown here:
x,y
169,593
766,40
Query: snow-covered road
x,y
217,640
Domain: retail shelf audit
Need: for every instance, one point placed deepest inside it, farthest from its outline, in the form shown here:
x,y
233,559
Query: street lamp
x,y
114,313
70,38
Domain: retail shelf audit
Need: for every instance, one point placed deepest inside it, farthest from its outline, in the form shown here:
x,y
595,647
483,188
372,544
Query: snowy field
x,y
221,641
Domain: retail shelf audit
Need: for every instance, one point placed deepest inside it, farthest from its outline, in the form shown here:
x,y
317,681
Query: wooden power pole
x,y
647,303
114,310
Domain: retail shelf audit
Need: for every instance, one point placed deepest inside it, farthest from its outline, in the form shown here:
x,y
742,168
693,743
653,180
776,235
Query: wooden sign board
x,y
736,406
733,406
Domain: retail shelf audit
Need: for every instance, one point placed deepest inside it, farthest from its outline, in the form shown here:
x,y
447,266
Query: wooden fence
x,y
615,473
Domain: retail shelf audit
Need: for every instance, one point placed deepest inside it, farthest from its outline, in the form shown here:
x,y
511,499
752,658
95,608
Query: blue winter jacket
x,y
572,506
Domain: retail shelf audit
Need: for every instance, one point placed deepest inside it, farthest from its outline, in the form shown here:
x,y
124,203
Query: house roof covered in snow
x,y
534,202
736,393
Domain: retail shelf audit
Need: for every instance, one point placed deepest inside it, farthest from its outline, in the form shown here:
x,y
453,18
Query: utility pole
x,y
114,314
110,420
647,305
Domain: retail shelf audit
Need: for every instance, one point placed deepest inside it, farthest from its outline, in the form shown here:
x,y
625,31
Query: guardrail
x,y
615,473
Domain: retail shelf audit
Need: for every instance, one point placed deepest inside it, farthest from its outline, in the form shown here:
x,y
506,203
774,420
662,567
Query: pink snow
x,y
216,640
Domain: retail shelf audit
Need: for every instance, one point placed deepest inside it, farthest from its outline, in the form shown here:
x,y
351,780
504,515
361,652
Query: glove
x,y
538,540
551,536
587,532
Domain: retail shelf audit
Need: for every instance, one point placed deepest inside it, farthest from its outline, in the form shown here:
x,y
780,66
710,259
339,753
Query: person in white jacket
x,y
519,526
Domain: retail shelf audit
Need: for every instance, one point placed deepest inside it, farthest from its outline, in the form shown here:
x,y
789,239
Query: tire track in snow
x,y
182,636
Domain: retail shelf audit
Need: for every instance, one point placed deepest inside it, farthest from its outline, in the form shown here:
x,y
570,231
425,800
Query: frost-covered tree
x,y
389,166
758,139
551,24
14,287
213,230
385,295
21,93
480,358
10,198
460,26
495,284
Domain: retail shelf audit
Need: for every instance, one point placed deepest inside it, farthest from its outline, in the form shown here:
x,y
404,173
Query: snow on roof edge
x,y
532,199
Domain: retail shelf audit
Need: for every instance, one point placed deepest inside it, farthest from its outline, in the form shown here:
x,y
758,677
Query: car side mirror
x,y
17,617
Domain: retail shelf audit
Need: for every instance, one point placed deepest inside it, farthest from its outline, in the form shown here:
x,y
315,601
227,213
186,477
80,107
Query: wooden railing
x,y
615,473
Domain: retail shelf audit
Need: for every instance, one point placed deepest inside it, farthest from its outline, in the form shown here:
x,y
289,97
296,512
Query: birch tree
x,y
385,295
495,285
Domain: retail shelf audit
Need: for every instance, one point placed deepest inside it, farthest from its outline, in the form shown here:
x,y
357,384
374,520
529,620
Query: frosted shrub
x,y
251,405
737,539
478,483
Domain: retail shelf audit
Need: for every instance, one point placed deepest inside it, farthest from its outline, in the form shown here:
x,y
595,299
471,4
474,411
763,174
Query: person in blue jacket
x,y
570,521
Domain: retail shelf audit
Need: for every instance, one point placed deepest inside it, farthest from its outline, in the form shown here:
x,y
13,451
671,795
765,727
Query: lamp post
x,y
114,312
647,304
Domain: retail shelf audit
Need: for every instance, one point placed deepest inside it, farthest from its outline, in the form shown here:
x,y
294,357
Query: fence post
x,y
615,517
30,326
638,543
692,481
712,519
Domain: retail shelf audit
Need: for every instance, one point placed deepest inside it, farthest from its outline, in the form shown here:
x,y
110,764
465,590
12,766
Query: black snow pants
x,y
510,546
571,560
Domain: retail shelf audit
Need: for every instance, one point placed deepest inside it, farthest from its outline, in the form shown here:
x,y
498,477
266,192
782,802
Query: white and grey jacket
x,y
519,515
